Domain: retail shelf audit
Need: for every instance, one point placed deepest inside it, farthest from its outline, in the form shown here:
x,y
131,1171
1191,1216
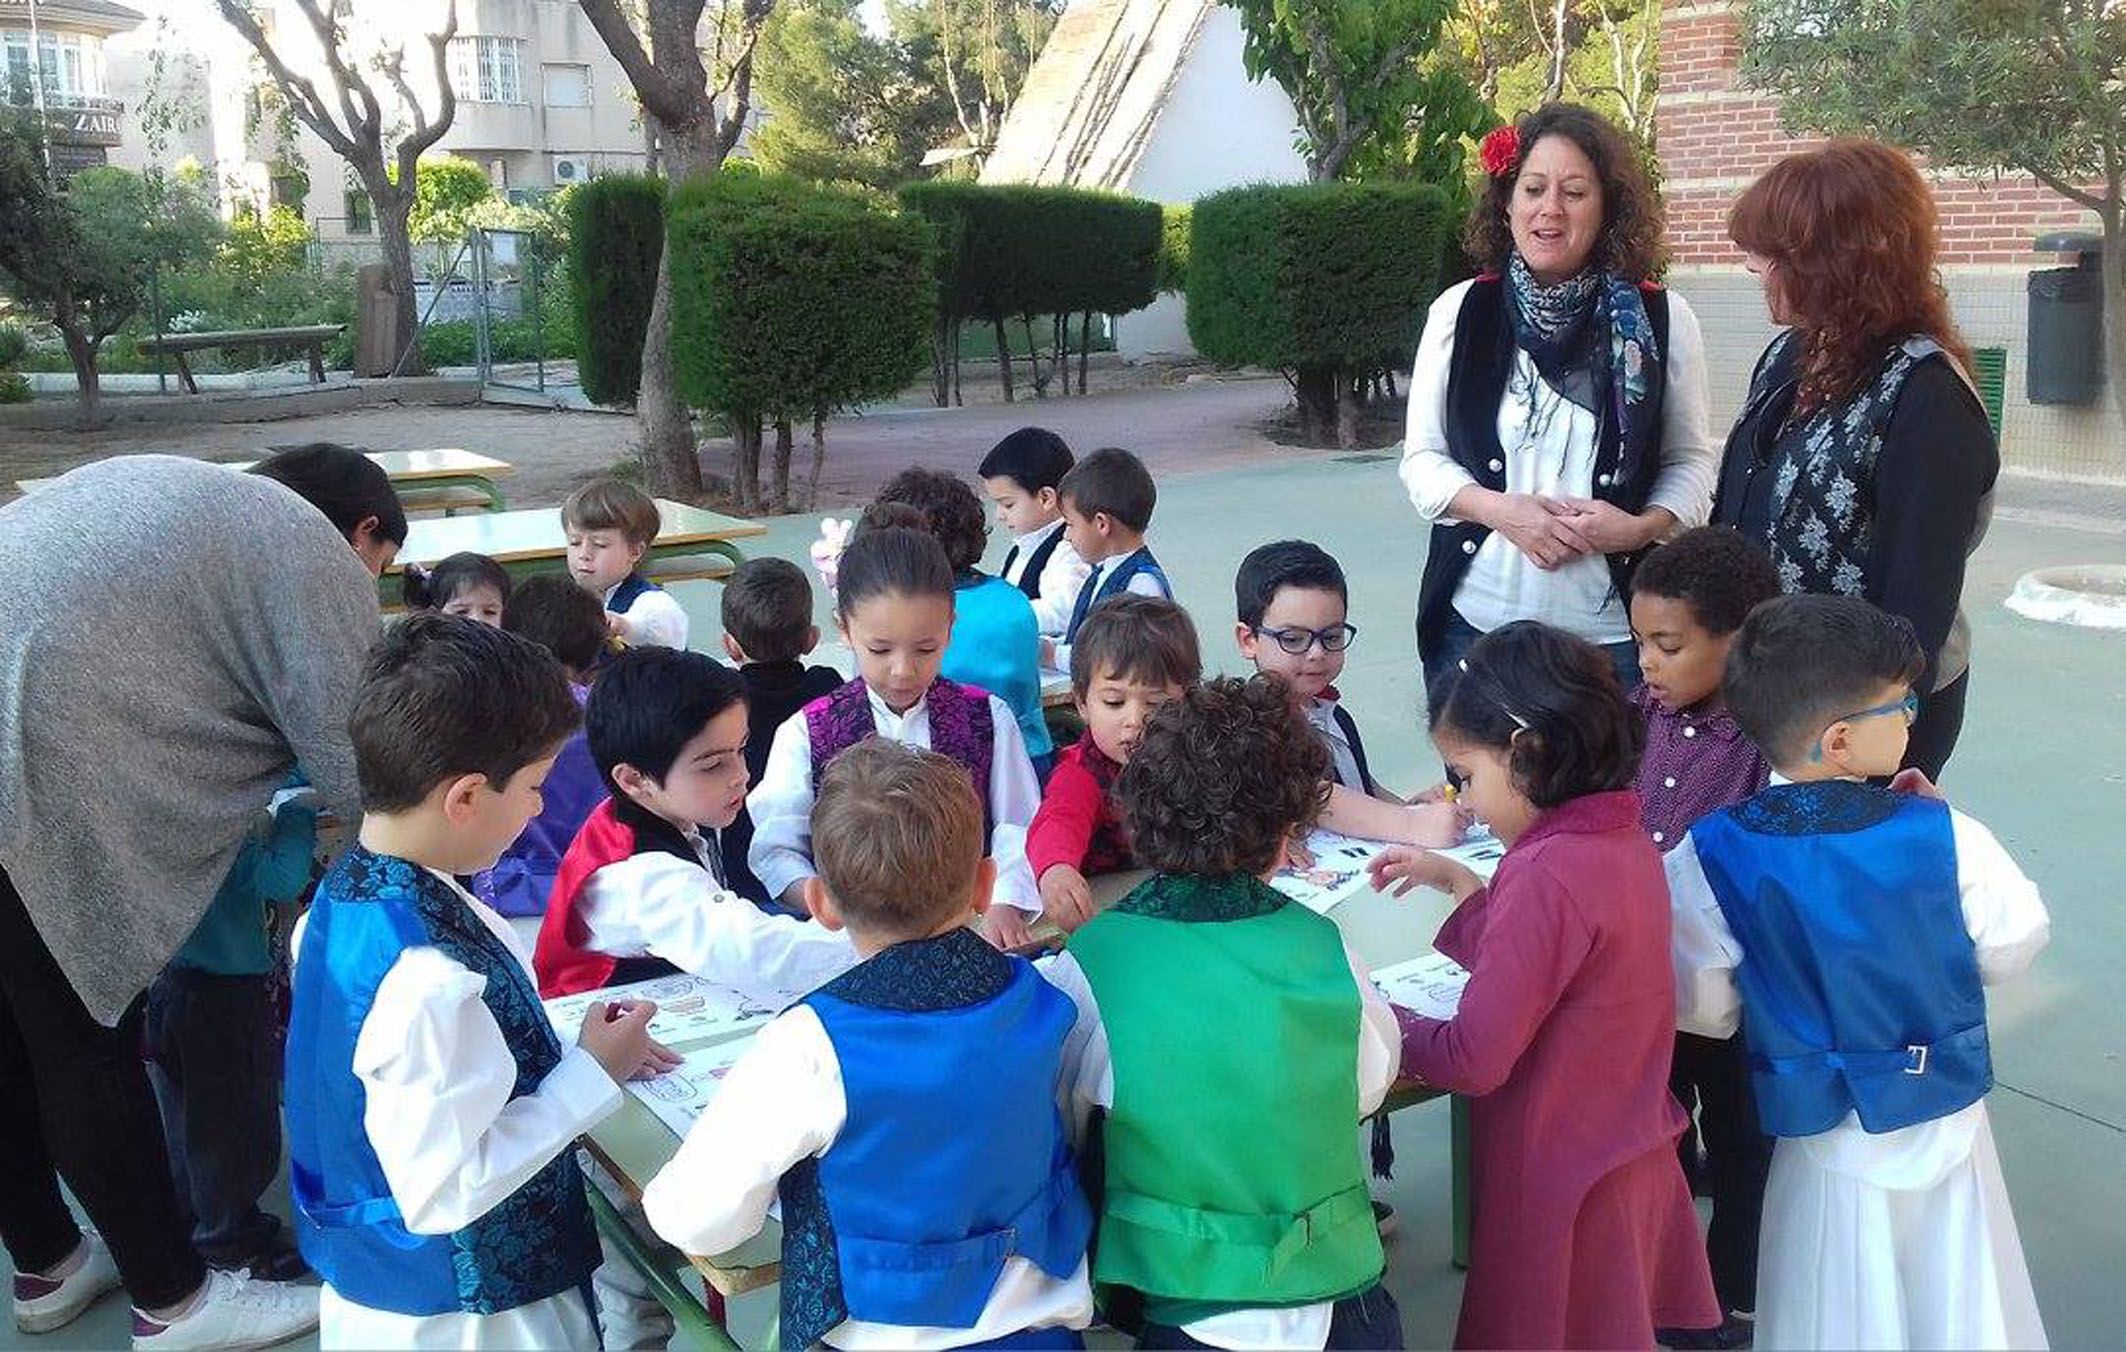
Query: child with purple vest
x,y
894,607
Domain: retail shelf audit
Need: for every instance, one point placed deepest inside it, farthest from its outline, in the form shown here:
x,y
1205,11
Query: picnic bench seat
x,y
311,337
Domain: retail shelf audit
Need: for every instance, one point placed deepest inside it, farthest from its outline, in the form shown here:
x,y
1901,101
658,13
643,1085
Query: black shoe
x,y
277,1262
1384,1218
1735,1331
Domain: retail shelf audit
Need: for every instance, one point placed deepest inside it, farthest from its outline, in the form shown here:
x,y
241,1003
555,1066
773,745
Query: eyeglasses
x,y
1333,639
1908,706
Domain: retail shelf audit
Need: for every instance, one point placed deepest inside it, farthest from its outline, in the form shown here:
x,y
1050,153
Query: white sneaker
x,y
46,1303
232,1312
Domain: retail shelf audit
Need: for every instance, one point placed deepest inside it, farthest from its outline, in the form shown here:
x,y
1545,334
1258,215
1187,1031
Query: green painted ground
x,y
2043,761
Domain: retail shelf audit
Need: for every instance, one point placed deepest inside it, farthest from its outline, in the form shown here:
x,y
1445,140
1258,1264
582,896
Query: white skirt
x,y
1902,1240
560,1322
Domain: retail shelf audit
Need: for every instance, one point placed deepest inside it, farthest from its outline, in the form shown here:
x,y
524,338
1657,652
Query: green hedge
x,y
615,236
1174,249
1318,275
790,300
1008,250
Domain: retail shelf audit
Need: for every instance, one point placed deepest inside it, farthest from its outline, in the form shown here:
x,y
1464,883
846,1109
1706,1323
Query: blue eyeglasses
x,y
1908,706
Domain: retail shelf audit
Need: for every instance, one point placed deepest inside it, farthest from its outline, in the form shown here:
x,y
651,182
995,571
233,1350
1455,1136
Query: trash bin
x,y
2066,323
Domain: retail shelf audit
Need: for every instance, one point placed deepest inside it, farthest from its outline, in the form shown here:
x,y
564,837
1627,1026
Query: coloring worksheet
x,y
688,1008
1339,868
1430,985
678,1096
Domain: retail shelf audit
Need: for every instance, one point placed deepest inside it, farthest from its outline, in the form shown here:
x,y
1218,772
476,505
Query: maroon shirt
x,y
1694,762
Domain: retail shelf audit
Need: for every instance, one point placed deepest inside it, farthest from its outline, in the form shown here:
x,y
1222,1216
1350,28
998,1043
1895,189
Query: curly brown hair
x,y
1222,778
1630,243
1851,230
950,509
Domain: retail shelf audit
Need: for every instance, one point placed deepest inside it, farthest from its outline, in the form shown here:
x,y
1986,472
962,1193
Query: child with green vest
x,y
1232,1042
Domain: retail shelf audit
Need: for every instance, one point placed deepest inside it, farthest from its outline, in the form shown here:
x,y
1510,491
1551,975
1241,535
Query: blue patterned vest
x,y
630,590
1113,581
1860,984
538,1242
953,1156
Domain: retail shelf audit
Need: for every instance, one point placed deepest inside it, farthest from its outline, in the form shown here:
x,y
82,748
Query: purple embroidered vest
x,y
961,727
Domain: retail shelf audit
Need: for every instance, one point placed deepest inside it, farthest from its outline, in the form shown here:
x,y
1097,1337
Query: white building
x,y
1148,97
83,123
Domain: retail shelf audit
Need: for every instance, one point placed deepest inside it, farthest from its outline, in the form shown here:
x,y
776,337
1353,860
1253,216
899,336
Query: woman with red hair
x,y
1863,459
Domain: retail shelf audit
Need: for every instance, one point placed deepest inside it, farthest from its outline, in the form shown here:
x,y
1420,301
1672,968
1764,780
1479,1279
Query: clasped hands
x,y
1553,532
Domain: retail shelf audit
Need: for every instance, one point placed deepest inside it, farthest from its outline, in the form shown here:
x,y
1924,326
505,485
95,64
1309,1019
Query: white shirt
x,y
654,621
1380,1051
1321,713
437,1074
781,803
1139,584
783,1102
2007,922
656,903
1555,458
1061,577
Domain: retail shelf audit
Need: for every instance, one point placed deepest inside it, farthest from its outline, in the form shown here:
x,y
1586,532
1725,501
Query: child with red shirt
x,y
1133,654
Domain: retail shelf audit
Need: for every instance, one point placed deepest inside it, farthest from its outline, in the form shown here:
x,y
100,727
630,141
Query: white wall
x,y
1219,130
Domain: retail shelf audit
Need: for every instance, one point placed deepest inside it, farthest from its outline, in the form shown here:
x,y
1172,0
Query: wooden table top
x,y
402,467
535,533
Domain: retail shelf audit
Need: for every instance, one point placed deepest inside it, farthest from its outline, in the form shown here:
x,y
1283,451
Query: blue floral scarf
x,y
1559,326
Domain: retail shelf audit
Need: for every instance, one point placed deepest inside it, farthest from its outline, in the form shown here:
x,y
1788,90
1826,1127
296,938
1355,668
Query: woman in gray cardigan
x,y
174,639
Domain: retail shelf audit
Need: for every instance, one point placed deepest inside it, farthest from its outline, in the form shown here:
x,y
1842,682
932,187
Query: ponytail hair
x,y
1551,702
890,560
432,588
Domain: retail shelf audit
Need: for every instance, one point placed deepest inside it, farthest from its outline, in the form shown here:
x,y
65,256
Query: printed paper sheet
x,y
1430,985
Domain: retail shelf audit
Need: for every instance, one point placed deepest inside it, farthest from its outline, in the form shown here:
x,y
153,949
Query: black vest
x,y
1483,358
1030,580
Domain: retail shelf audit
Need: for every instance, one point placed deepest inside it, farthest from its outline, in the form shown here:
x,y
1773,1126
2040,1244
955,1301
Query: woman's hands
x,y
1552,532
1608,528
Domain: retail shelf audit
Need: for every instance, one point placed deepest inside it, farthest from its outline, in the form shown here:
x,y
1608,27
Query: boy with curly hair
x,y
1234,1208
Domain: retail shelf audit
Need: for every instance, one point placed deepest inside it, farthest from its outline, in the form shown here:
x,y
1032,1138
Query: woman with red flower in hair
x,y
1558,405
1863,460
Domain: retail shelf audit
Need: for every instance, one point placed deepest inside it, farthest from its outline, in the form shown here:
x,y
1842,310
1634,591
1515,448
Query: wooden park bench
x,y
311,337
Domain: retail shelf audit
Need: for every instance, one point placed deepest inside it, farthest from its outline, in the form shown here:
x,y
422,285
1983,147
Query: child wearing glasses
x,y
1293,622
1849,931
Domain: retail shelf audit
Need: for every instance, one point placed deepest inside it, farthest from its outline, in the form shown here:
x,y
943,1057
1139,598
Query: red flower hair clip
x,y
1500,150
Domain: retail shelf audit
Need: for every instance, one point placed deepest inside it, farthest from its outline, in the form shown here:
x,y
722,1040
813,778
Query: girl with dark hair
x,y
1584,1233
1557,408
470,586
1863,460
894,597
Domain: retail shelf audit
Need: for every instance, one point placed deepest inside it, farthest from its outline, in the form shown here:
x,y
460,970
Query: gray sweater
x,y
174,639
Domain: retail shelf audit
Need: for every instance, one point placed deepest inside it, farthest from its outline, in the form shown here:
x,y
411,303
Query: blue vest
x,y
539,1241
1859,980
630,591
953,1156
996,644
1114,580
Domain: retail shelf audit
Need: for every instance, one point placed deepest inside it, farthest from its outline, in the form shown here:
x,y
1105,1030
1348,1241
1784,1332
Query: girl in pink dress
x,y
1583,1234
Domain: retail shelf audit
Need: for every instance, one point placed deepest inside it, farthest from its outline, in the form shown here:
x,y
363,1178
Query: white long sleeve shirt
x,y
1140,584
781,803
658,904
1552,453
783,1102
437,1074
655,620
1061,577
1379,1059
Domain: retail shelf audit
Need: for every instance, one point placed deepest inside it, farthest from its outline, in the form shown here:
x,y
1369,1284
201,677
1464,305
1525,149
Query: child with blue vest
x,y
610,525
894,603
1232,1043
1849,930
431,1107
1022,475
1107,507
929,1195
996,638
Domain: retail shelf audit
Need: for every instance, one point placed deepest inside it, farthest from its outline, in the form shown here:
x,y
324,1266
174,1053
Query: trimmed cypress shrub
x,y
1173,250
615,236
1326,281
791,300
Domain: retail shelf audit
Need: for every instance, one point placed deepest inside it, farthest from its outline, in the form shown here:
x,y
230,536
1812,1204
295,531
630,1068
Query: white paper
x,y
1338,871
1479,852
689,1009
1430,985
679,1096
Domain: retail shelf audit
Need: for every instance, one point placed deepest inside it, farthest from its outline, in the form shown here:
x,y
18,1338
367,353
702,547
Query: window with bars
x,y
487,69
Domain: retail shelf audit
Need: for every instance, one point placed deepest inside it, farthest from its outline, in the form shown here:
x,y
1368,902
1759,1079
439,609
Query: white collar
x,y
1037,534
883,717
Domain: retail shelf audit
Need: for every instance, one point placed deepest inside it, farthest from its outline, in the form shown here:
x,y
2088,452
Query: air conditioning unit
x,y
571,169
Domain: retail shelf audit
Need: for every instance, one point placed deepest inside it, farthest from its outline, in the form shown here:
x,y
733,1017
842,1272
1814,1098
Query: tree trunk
x,y
2115,310
959,393
392,216
819,459
81,352
1033,357
779,477
1347,410
1315,391
745,437
671,462
1555,90
1004,357
941,362
1085,345
1059,342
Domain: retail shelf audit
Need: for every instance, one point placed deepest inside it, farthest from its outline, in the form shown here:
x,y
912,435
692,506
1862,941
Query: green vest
x,y
1233,1177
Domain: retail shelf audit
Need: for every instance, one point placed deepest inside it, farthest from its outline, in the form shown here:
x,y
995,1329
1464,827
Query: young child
x,y
610,525
640,892
431,1109
568,622
1294,622
996,641
1584,1234
1233,1043
1021,475
768,632
1687,600
1850,931
929,1196
894,606
1133,656
1107,501
469,585
213,1053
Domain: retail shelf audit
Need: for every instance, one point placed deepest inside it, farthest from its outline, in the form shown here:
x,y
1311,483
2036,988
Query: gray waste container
x,y
2065,364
